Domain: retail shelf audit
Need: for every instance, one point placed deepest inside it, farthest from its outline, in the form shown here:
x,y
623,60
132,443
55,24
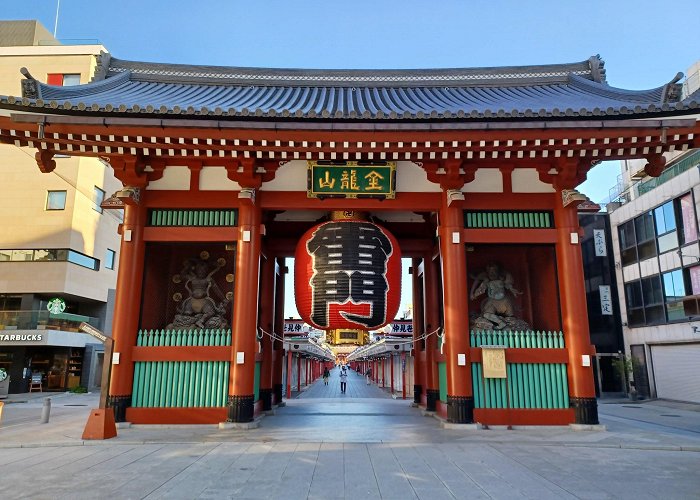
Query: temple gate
x,y
218,189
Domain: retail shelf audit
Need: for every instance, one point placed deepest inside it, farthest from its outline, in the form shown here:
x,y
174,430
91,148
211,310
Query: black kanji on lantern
x,y
349,263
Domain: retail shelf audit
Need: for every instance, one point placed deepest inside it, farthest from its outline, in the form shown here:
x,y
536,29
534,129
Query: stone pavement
x,y
326,445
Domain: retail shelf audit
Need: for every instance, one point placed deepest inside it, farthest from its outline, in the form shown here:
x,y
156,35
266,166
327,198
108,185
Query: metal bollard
x,y
45,411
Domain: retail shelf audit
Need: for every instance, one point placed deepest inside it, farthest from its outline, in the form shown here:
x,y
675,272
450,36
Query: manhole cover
x,y
630,406
670,416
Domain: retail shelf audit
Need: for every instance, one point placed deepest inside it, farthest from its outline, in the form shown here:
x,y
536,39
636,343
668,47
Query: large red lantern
x,y
347,274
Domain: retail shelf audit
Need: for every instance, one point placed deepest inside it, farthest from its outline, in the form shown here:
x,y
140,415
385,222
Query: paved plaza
x,y
362,444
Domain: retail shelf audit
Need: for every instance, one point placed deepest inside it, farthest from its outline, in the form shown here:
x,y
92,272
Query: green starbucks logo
x,y
56,306
3,374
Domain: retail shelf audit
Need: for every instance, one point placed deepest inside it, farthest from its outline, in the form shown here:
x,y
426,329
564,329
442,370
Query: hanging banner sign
x,y
601,249
351,179
493,359
606,306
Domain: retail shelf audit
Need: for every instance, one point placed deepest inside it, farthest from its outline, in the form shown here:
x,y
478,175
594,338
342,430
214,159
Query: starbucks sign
x,y
56,305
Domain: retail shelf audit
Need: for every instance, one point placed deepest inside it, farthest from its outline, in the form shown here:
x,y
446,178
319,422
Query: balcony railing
x,y
44,320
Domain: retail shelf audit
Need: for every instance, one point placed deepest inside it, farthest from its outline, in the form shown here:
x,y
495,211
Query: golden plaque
x,y
493,359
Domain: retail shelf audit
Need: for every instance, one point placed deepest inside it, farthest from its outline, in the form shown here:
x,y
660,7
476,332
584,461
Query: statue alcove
x,y
531,270
173,271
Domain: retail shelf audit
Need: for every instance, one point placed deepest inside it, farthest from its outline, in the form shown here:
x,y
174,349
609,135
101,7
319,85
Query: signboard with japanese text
x,y
295,327
401,327
493,359
606,305
351,179
601,249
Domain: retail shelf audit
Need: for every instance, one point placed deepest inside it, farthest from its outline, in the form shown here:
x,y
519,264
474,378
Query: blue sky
x,y
644,43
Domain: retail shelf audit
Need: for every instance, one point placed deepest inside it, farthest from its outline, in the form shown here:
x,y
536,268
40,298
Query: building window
x,y
109,258
665,219
63,79
635,305
98,196
674,291
658,231
56,200
628,243
49,255
644,231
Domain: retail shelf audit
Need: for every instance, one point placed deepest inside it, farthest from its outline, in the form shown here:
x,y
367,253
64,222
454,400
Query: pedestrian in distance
x,y
326,374
368,375
343,381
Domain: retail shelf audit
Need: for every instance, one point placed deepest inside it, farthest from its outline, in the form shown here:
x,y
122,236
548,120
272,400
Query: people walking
x,y
343,381
368,375
326,374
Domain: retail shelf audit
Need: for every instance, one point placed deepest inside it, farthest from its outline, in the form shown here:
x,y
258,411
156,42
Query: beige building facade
x,y
656,242
55,240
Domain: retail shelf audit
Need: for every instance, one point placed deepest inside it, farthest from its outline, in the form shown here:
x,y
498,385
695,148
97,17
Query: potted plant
x,y
4,383
625,366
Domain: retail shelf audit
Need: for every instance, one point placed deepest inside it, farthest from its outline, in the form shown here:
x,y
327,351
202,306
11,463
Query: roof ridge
x,y
166,72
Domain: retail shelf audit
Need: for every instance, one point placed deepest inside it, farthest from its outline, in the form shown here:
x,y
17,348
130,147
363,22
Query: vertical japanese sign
x,y
351,179
601,249
606,306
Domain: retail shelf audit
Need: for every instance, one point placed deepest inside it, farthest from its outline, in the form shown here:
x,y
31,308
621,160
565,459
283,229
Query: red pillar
x,y
419,360
278,345
431,291
241,403
460,400
392,373
127,307
572,296
403,375
267,318
298,373
289,374
383,372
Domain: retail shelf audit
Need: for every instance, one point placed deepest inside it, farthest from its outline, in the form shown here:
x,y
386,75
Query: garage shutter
x,y
677,371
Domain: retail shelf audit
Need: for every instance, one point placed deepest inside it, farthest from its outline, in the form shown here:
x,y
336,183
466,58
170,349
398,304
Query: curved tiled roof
x,y
509,93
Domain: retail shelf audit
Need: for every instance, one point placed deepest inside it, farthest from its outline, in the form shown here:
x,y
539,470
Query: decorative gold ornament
x,y
177,279
204,255
348,215
221,261
229,278
177,297
229,296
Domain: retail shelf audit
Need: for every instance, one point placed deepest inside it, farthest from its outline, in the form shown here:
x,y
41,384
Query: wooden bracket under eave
x,y
251,172
130,170
570,173
450,174
45,161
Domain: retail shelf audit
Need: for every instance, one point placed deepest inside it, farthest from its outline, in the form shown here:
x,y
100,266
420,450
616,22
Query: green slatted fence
x,y
504,219
442,379
161,217
529,385
165,384
256,381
